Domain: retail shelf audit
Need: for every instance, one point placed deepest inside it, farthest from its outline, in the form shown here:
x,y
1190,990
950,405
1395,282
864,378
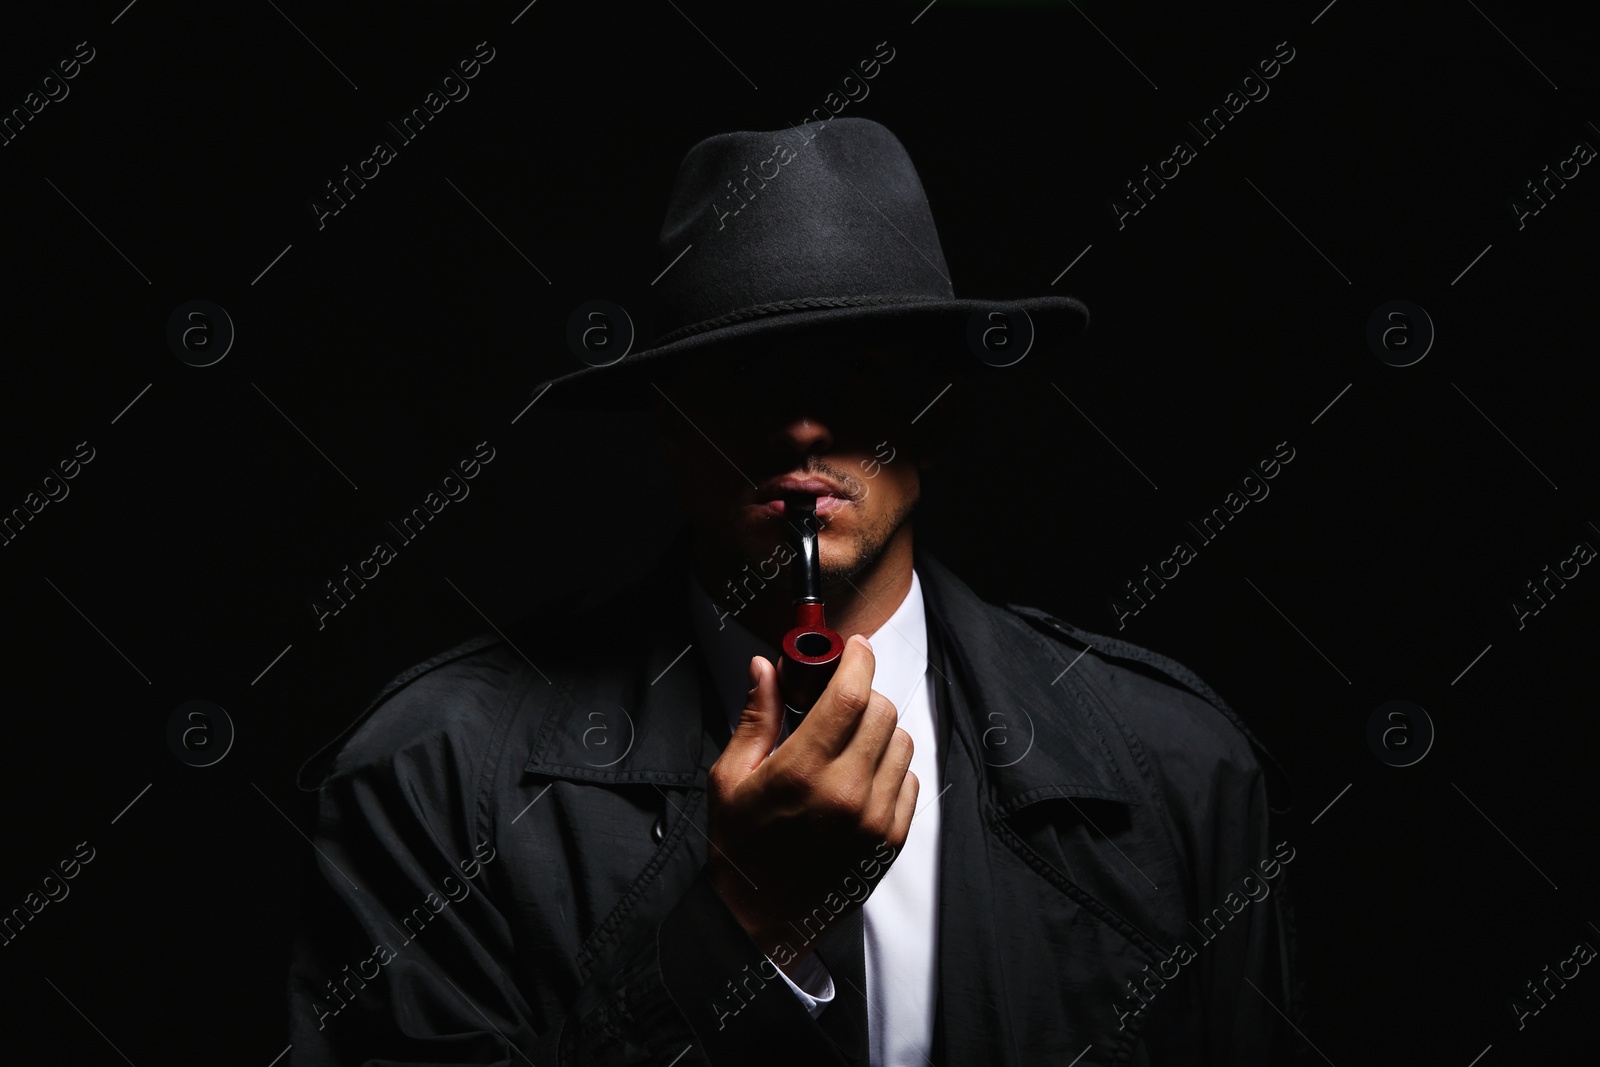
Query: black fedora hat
x,y
821,232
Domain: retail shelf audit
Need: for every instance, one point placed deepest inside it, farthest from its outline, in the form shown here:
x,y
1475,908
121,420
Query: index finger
x,y
830,724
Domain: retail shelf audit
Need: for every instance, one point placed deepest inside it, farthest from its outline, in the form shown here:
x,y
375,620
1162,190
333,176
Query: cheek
x,y
896,487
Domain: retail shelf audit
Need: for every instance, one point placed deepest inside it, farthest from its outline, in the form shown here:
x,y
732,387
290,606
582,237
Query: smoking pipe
x,y
811,650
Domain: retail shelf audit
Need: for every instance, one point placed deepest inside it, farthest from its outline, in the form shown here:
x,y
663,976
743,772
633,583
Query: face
x,y
740,430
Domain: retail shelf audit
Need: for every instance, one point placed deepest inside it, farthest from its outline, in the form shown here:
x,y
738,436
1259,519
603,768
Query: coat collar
x,y
1037,738
638,704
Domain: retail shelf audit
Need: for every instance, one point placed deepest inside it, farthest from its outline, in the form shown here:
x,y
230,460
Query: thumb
x,y
756,735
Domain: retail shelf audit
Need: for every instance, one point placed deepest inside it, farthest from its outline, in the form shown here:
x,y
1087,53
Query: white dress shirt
x,y
901,916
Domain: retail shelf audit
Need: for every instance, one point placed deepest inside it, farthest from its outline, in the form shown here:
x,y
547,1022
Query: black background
x,y
407,330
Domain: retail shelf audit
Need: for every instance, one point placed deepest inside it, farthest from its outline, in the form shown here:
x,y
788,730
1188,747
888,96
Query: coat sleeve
x,y
404,953
401,956
1244,919
1230,801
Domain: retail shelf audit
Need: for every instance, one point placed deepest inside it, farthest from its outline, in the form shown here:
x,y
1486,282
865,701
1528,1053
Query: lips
x,y
770,496
827,506
779,488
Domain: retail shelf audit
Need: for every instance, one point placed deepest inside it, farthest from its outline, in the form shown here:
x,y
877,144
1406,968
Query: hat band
x,y
807,303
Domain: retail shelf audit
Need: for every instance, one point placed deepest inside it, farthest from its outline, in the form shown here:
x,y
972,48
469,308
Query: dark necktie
x,y
842,951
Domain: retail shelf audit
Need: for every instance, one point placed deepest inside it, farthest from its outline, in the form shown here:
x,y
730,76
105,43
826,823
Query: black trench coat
x,y
509,860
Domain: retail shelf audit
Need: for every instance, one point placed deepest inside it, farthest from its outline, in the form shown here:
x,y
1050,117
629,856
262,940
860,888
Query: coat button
x,y
659,830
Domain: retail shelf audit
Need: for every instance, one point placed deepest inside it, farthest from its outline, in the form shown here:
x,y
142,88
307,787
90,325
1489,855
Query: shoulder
x,y
440,715
1173,715
446,718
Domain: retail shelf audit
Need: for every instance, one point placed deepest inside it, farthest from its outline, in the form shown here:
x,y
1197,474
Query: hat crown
x,y
823,214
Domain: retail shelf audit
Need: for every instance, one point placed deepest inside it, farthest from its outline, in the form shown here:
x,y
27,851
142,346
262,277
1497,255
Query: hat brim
x,y
936,331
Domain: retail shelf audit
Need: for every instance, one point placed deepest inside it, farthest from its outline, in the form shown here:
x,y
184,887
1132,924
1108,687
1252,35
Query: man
x,y
599,839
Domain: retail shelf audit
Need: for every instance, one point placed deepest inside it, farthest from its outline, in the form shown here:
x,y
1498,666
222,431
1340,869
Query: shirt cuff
x,y
815,985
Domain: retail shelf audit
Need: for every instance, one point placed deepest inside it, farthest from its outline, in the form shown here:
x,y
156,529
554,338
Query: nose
x,y
801,434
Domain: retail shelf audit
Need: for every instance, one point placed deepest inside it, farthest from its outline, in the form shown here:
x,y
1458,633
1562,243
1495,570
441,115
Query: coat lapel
x,y
1039,930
